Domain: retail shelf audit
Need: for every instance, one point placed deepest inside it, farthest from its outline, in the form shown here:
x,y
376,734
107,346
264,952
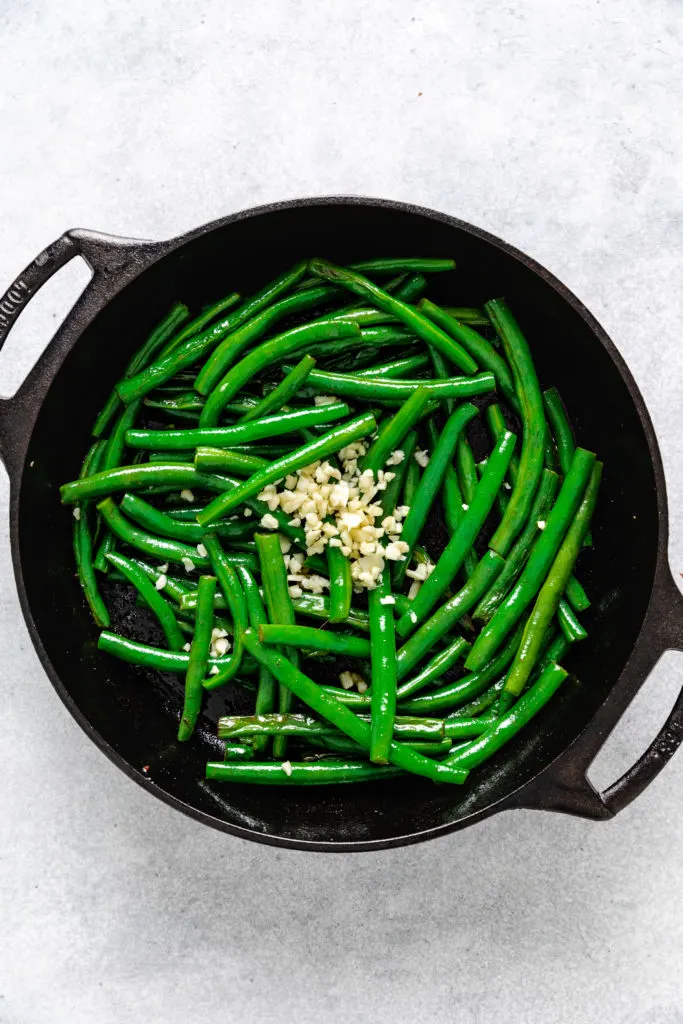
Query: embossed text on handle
x,y
12,301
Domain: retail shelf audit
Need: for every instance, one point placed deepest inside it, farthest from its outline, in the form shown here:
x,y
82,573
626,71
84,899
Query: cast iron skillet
x,y
131,715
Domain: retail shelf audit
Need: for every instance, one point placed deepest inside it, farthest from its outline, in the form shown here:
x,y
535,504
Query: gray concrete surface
x,y
557,127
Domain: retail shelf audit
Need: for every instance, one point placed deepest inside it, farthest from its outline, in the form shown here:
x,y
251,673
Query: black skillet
x,y
131,715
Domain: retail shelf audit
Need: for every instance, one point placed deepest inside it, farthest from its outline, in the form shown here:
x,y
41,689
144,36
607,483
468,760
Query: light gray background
x,y
555,126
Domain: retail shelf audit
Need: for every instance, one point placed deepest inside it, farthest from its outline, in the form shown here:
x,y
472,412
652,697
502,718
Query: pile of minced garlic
x,y
338,507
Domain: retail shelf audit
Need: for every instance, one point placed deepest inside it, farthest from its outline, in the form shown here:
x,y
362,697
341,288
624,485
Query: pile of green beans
x,y
441,659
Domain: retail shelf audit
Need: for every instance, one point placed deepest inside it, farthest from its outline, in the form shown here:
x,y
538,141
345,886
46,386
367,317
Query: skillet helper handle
x,y
113,260
106,255
32,278
566,786
669,738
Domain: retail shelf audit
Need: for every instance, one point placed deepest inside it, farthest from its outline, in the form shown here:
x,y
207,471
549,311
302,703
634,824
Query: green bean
x,y
409,290
452,498
514,563
342,745
446,617
157,547
182,415
325,445
201,321
341,590
152,598
185,476
184,513
481,350
192,350
310,638
430,483
564,441
457,491
411,482
179,458
575,594
333,711
280,611
162,523
393,430
238,752
160,547
467,687
497,425
150,657
130,478
82,544
391,497
267,687
116,444
238,726
185,402
286,389
314,606
299,773
478,750
317,564
208,459
349,697
486,701
533,425
555,651
266,354
467,470
190,401
262,451
362,345
468,315
399,264
246,527
403,285
236,601
199,657
174,587
372,389
564,437
433,670
457,547
107,545
540,558
413,319
363,316
569,624
441,372
456,728
269,426
396,368
159,335
239,340
383,666
551,592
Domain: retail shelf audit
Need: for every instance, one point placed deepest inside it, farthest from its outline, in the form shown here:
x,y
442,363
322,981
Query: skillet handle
x,y
670,736
31,279
104,254
113,261
565,786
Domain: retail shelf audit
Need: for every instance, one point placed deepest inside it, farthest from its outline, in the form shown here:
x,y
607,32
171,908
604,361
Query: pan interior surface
x,y
135,712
